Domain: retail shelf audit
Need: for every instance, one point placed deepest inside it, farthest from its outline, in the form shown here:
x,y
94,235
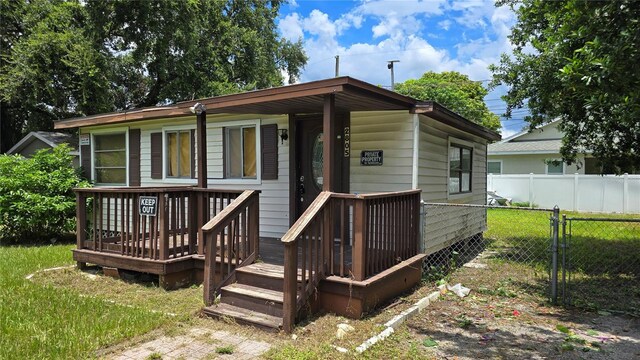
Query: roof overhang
x,y
350,95
306,98
446,116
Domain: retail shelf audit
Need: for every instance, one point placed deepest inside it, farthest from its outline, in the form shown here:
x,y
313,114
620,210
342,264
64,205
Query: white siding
x,y
274,197
444,226
390,132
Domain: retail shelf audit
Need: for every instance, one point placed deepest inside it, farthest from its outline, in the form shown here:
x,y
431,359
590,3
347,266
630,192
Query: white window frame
x,y
464,143
111,131
165,155
495,161
220,126
546,166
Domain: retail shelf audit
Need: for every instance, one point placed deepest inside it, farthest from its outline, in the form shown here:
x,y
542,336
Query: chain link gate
x,y
600,263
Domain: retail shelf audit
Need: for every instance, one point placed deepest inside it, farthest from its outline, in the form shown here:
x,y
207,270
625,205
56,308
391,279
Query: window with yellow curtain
x,y
179,153
240,152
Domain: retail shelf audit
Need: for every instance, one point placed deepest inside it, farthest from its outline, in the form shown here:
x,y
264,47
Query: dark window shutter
x,y
193,153
269,142
156,155
134,157
85,160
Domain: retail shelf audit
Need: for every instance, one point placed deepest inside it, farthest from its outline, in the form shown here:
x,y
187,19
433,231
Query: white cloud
x,y
396,33
445,24
291,27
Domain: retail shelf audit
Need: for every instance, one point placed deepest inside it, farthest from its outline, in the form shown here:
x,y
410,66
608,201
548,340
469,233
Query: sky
x,y
424,35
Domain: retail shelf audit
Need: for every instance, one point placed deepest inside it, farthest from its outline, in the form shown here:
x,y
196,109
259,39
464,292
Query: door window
x,y
317,160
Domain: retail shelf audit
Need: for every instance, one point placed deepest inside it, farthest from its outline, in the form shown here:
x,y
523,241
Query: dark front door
x,y
309,142
309,146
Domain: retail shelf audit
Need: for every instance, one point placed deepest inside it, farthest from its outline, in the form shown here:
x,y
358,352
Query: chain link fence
x,y
600,263
509,246
592,263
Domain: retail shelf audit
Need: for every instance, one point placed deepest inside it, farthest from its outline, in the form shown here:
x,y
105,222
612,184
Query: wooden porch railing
x,y
232,241
109,220
352,236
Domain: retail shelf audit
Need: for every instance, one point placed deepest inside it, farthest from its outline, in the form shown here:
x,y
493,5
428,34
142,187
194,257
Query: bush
x,y
36,195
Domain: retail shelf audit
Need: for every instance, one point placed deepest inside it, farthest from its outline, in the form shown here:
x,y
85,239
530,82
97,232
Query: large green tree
x,y
578,61
456,92
64,58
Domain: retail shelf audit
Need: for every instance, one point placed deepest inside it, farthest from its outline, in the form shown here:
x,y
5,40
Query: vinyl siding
x,y
444,226
391,132
274,196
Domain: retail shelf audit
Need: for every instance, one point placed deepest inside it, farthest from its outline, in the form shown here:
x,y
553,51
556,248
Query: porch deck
x,y
352,251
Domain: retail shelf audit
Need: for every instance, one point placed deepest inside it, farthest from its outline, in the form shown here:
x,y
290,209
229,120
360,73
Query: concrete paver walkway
x,y
197,344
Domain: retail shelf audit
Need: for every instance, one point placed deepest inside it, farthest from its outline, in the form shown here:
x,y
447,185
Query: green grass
x,y
602,258
39,321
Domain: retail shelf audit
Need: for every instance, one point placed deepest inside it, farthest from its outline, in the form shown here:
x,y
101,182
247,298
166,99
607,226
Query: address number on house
x,y
371,158
148,205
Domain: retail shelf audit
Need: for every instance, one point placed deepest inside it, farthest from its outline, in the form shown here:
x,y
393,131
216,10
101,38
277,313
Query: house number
x,y
347,141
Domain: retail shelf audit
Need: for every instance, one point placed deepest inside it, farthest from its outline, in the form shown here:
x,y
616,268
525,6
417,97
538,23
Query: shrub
x,y
36,195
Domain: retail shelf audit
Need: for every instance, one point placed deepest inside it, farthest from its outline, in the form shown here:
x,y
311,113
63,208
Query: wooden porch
x,y
345,254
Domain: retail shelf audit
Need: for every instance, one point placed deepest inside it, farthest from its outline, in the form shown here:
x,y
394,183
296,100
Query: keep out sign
x,y
148,205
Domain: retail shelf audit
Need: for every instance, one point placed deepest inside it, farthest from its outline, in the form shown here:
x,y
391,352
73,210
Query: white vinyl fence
x,y
589,193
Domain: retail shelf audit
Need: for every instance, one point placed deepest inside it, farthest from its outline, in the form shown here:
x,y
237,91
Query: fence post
x,y
555,220
531,190
564,258
575,191
625,193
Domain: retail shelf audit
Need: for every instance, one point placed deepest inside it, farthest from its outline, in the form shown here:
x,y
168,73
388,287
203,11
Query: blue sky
x,y
425,35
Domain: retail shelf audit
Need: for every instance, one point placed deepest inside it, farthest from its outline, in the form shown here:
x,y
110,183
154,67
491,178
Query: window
x,y
494,167
110,159
555,167
459,169
178,153
240,152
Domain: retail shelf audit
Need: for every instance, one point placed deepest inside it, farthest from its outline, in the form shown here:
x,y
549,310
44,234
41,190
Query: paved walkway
x,y
197,344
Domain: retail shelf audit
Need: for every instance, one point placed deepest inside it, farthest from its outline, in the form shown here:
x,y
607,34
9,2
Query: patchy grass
x,y
42,321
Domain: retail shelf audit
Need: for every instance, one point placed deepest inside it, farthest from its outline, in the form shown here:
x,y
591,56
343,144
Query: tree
x,y
36,195
577,61
73,58
456,92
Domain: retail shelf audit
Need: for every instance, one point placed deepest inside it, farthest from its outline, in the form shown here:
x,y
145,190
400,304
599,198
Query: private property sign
x,y
148,205
371,158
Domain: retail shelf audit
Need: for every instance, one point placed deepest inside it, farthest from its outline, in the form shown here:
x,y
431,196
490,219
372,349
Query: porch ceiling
x,y
350,95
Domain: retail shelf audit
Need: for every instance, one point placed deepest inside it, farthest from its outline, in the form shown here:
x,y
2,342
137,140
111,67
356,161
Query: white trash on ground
x,y
459,290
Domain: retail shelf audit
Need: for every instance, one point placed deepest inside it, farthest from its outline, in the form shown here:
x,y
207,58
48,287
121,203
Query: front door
x,y
309,144
309,163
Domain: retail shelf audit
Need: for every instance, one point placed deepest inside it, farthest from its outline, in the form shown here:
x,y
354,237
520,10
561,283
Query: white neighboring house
x,y
534,152
522,168
38,140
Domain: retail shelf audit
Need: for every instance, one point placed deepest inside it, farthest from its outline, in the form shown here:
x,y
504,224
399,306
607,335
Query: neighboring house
x,y
38,140
536,152
337,164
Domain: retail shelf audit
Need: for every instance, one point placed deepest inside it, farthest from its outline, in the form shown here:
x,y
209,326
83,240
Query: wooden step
x,y
263,275
245,316
258,299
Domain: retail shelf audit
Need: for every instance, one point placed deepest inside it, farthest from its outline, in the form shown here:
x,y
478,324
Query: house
x,y
537,152
38,140
322,181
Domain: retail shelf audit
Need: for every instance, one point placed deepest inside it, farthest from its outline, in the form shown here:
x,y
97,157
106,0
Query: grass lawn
x,y
45,322
69,314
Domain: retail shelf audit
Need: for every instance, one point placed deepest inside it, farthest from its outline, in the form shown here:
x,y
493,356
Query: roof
x,y
529,147
50,138
350,95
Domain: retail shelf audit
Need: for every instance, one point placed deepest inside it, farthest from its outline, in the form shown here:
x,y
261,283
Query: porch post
x,y
201,140
201,136
328,150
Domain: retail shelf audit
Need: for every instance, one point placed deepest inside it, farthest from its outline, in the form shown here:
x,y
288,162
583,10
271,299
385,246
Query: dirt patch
x,y
501,318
